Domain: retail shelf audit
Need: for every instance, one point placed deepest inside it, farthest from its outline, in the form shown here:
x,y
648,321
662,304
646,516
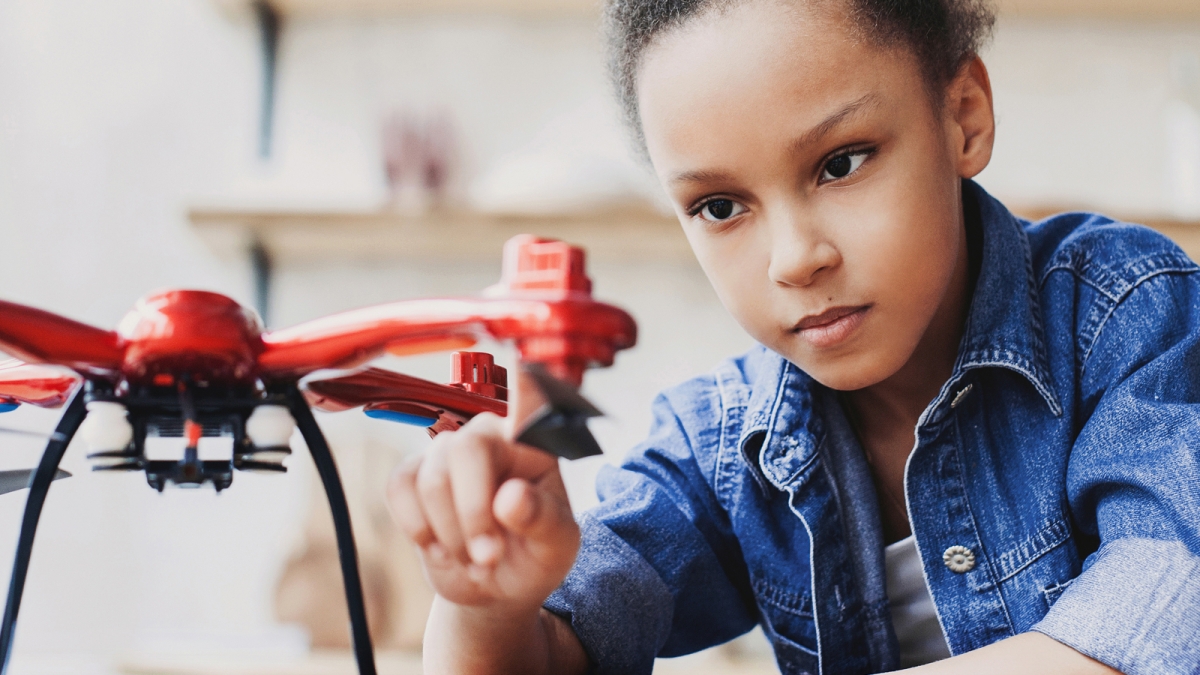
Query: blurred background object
x,y
418,158
310,156
1182,116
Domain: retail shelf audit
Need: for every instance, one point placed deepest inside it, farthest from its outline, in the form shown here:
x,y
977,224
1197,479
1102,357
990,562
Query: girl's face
x,y
817,183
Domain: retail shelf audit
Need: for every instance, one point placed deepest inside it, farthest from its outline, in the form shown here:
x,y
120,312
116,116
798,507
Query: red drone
x,y
192,364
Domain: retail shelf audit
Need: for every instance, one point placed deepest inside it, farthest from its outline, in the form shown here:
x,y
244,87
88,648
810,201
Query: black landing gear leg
x,y
38,488
69,423
323,458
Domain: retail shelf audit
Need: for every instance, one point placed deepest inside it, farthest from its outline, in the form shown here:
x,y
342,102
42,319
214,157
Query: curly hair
x,y
942,34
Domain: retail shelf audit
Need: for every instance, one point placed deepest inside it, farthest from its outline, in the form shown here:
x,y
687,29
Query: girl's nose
x,y
800,253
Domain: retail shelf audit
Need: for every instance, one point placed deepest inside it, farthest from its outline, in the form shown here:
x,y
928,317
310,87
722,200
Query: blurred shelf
x,y
456,235
1128,9
381,236
1118,9
328,8
1186,233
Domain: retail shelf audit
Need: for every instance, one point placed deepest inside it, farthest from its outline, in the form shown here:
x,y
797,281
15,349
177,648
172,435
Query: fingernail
x,y
485,549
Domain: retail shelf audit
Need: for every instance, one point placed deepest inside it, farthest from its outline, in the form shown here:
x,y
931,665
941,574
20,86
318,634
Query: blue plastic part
x,y
402,418
9,407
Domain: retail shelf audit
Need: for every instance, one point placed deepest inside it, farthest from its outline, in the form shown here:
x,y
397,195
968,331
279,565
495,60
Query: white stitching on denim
x,y
983,556
1051,535
721,449
1020,364
1112,310
812,582
770,430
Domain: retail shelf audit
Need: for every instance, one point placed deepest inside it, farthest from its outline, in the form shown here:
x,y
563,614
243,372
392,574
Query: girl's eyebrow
x,y
809,137
700,176
830,123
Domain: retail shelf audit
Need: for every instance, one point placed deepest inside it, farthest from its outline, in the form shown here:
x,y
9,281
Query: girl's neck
x,y
903,397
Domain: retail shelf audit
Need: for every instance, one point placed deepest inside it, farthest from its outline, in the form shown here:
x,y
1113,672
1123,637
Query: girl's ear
x,y
970,122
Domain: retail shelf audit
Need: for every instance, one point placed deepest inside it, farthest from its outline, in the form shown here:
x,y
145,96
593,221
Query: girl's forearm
x,y
463,640
1027,654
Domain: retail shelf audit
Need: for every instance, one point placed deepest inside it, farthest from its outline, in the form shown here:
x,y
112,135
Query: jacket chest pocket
x,y
1035,573
787,619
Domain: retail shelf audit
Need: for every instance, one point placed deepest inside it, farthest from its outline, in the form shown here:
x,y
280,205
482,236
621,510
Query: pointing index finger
x,y
476,466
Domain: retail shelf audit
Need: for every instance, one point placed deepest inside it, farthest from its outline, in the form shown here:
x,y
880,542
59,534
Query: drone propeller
x,y
54,436
18,479
560,425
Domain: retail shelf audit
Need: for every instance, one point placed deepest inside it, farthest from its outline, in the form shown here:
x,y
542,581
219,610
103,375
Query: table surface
x,y
395,663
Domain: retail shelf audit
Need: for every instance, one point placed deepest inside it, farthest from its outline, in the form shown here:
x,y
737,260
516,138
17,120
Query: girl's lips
x,y
832,326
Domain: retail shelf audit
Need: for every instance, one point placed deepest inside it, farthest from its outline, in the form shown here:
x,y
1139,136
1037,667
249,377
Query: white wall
x,y
1083,115
112,115
115,117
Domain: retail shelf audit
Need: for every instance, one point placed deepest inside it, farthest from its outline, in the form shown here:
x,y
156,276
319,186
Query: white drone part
x,y
106,427
99,463
270,455
273,455
270,426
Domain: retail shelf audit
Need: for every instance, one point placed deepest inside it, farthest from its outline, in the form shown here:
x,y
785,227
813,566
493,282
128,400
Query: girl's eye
x,y
717,210
843,165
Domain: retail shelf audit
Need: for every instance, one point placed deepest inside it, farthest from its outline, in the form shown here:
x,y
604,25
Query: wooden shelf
x,y
329,8
1186,233
308,236
1120,9
298,236
1110,9
382,236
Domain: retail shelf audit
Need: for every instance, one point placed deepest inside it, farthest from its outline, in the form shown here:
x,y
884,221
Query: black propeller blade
x,y
18,479
560,426
54,435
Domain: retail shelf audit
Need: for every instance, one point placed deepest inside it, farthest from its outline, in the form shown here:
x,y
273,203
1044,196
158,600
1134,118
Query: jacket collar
x,y
1004,324
781,433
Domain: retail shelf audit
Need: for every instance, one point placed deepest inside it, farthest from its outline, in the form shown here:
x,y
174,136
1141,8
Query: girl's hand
x,y
1028,653
490,517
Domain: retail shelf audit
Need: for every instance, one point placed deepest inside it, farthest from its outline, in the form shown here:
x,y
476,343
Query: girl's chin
x,y
849,372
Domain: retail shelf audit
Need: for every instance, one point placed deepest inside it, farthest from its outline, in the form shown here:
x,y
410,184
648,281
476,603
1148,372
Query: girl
x,y
966,441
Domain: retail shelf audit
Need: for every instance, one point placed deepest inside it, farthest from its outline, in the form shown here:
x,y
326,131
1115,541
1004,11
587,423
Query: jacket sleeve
x,y
659,572
1133,482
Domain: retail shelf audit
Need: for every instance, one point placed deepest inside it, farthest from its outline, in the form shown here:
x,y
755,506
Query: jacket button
x,y
959,559
962,393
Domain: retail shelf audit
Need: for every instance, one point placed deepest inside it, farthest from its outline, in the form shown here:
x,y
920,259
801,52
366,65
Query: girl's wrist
x,y
498,616
485,640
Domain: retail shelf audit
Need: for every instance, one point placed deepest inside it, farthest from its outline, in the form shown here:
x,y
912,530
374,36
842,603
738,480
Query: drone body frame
x,y
192,364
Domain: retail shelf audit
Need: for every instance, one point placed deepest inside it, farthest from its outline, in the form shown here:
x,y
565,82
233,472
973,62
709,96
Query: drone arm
x,y
567,333
352,338
378,387
37,336
44,386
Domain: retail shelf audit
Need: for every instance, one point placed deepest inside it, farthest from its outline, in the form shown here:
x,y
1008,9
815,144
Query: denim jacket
x,y
1060,462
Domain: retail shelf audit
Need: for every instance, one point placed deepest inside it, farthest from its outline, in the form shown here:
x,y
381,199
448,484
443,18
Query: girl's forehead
x,y
731,24
761,67
762,47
